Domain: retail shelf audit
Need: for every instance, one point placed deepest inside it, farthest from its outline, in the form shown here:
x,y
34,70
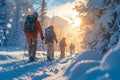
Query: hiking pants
x,y
32,46
50,51
72,51
62,54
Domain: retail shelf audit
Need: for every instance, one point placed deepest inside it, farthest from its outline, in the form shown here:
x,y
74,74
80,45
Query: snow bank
x,y
89,55
92,74
111,60
111,64
109,68
78,70
82,63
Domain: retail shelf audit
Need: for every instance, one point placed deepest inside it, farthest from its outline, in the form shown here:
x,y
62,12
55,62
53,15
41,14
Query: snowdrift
x,y
109,68
82,63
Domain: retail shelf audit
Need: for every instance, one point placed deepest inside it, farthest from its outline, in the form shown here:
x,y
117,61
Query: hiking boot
x,y
31,57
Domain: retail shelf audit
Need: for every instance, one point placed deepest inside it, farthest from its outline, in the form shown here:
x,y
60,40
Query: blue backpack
x,y
48,34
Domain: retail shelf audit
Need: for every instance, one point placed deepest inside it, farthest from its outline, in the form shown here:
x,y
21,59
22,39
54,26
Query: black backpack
x,y
30,23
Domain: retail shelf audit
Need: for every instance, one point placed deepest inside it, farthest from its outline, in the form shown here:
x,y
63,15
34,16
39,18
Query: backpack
x,y
48,34
30,23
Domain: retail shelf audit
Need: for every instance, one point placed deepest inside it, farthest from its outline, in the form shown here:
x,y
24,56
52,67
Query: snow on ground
x,y
89,65
15,66
109,68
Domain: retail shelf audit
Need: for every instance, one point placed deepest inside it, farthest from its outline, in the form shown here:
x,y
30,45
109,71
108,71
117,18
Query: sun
x,y
76,22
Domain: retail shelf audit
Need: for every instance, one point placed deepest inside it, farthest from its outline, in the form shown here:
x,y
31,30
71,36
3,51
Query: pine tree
x,y
16,33
43,14
23,8
14,20
101,24
43,18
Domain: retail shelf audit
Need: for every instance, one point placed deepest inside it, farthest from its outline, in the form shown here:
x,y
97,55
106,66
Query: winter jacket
x,y
35,34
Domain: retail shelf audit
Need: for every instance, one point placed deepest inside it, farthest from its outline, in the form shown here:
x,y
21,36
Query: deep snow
x,y
89,65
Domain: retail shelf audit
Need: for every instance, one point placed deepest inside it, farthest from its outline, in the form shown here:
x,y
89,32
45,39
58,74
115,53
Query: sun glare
x,y
76,23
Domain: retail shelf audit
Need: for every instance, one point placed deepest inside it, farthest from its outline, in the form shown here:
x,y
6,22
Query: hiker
x,y
62,45
50,36
72,48
31,29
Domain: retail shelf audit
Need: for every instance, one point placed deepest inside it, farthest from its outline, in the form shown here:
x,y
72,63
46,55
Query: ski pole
x,y
24,49
43,49
43,44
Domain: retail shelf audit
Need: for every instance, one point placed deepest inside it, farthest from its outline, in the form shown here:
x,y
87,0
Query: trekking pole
x,y
43,49
24,49
43,45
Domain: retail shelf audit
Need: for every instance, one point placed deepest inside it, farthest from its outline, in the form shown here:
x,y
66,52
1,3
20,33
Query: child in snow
x,y
62,45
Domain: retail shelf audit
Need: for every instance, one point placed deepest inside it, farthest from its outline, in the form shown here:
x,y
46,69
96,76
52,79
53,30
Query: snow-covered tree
x,y
12,18
43,17
3,28
43,12
100,23
23,8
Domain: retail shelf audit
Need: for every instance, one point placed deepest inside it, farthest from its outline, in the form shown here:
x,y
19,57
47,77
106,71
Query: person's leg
x,y
52,51
70,51
48,51
73,51
29,40
34,46
63,52
28,43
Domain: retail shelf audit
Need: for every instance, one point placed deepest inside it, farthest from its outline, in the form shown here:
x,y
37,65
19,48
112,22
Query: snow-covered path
x,y
14,67
82,66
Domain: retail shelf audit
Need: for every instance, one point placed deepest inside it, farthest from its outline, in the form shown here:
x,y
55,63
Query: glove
x,y
42,38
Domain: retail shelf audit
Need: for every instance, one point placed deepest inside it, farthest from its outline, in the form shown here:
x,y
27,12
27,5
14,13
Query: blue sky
x,y
53,3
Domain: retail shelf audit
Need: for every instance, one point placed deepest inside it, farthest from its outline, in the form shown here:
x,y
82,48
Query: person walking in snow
x,y
72,48
31,29
62,45
50,36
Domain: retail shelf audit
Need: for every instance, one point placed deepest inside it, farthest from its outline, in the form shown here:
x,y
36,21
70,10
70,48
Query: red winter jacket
x,y
34,34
